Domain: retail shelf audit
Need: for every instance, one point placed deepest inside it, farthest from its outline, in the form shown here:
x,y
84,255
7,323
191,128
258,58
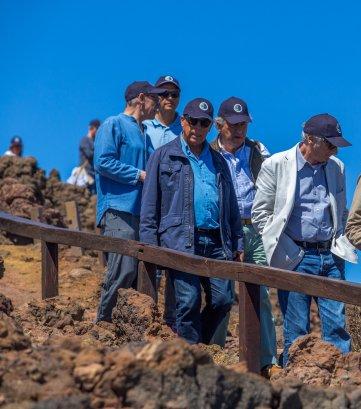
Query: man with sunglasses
x,y
300,211
162,129
244,158
189,205
120,154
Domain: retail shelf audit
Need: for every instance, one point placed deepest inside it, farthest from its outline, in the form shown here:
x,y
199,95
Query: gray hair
x,y
305,136
219,120
132,102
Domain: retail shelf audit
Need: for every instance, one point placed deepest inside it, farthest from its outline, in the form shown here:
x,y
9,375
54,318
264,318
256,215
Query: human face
x,y
149,105
321,149
16,149
92,131
170,100
233,134
194,133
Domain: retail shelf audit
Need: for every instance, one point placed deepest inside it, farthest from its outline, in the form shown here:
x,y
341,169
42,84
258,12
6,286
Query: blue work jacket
x,y
167,211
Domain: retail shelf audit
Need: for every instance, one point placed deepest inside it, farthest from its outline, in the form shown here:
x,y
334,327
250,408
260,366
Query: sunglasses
x,y
329,144
203,122
170,94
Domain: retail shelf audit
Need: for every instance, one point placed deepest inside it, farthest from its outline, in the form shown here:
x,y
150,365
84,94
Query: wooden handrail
x,y
249,276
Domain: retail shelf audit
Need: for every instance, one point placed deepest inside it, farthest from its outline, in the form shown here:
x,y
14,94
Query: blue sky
x,y
64,63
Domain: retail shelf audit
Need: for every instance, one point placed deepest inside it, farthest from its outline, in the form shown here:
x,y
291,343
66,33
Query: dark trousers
x,y
121,270
192,324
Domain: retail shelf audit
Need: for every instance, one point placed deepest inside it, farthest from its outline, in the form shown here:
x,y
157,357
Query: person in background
x,y
300,211
189,205
86,151
244,158
16,147
162,129
353,226
121,151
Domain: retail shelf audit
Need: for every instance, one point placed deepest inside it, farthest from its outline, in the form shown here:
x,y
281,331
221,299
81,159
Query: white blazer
x,y
274,201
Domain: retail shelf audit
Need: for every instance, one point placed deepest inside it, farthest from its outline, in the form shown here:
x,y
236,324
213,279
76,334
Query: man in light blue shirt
x,y
120,155
162,129
166,124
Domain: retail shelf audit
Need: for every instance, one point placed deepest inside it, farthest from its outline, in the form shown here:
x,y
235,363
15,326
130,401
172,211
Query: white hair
x,y
305,136
132,102
219,120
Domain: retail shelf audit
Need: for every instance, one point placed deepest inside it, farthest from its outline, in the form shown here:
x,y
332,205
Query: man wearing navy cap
x,y
189,204
120,154
162,129
16,147
300,211
244,158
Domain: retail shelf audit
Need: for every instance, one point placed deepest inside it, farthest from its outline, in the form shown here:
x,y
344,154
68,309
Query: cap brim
x,y
236,119
167,82
200,116
339,141
157,91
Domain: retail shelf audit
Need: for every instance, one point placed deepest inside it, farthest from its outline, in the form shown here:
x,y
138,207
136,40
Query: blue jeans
x,y
192,324
295,307
121,270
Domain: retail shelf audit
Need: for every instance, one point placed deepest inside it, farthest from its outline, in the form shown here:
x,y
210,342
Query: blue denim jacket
x,y
167,212
121,152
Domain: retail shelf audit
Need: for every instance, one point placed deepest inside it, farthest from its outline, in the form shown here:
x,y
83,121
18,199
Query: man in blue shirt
x,y
189,204
121,152
162,129
244,158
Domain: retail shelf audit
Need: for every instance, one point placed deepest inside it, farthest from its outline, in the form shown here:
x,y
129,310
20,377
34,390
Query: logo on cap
x,y
168,78
203,106
338,128
238,108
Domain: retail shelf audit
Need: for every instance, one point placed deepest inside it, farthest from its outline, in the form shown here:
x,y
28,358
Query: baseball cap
x,y
234,110
138,87
167,79
16,140
199,108
326,126
94,123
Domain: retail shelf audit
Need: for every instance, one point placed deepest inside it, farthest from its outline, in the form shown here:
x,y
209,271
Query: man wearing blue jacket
x,y
120,155
189,204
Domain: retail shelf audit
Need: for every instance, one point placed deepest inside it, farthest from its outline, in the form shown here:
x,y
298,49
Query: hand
x,y
142,176
239,256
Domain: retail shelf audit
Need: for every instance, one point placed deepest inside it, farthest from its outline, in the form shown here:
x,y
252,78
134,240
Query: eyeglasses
x,y
203,122
170,94
329,144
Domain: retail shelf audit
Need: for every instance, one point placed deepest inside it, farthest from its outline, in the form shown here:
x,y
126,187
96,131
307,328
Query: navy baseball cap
x,y
16,140
167,79
94,123
234,110
141,87
326,126
199,108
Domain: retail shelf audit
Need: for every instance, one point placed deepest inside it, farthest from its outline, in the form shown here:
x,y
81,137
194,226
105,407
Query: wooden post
x,y
35,214
101,255
147,279
249,325
49,270
73,221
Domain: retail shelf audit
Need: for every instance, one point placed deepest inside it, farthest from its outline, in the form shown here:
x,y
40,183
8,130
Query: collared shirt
x,y
243,183
206,195
161,134
310,219
121,151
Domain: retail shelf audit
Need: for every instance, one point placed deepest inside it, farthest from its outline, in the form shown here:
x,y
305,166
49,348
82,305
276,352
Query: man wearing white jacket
x,y
300,211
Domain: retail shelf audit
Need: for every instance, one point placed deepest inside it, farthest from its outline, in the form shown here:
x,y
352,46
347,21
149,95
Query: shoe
x,y
271,370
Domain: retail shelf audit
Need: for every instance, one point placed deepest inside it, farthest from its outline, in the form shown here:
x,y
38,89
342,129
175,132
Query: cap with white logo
x,y
234,110
199,108
167,79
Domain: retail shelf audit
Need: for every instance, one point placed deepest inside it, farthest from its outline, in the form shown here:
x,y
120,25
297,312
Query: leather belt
x,y
246,221
321,245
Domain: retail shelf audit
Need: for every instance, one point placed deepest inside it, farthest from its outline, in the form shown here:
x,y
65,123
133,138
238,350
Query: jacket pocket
x,y
170,175
169,221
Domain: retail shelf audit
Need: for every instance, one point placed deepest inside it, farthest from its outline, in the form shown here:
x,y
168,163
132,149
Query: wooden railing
x,y
249,276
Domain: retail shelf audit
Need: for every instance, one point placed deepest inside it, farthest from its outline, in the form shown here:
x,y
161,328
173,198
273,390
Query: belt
x,y
321,245
246,221
208,232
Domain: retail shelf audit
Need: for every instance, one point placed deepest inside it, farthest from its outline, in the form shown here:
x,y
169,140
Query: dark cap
x,y
234,110
16,140
94,123
199,108
141,87
326,126
167,79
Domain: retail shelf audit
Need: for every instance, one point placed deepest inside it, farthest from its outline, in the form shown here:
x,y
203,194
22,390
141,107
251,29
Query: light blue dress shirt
x,y
161,134
206,195
310,219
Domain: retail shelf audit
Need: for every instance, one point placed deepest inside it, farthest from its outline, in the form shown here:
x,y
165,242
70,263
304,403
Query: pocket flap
x,y
169,221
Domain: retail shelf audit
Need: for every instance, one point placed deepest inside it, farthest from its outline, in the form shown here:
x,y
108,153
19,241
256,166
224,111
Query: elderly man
x,y
165,127
16,147
353,226
120,155
244,158
300,210
189,204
